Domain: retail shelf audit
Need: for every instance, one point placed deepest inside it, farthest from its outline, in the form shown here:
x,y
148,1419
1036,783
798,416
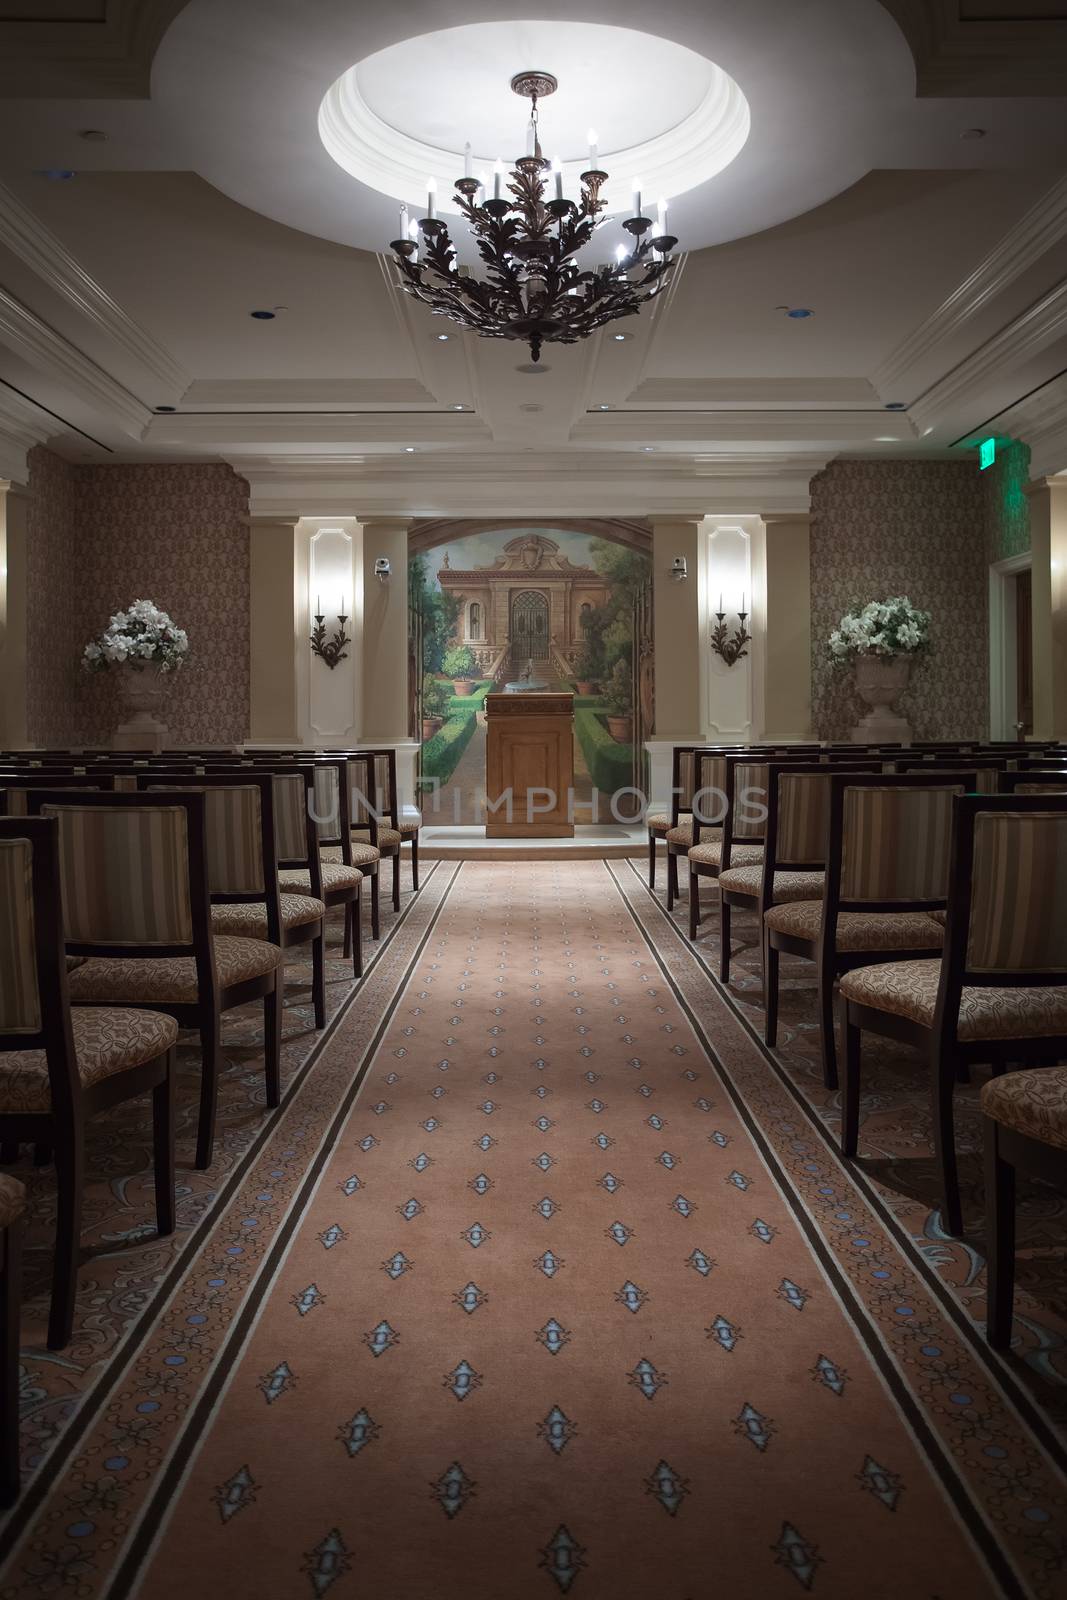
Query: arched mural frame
x,y
427,534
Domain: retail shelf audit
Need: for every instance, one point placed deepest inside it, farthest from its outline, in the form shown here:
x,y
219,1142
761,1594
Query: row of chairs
x,y
928,896
137,900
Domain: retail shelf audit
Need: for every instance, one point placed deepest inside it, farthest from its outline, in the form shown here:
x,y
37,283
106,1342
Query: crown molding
x,y
23,331
1026,335
21,429
292,394
772,392
109,58
317,432
47,256
703,430
1041,422
1042,227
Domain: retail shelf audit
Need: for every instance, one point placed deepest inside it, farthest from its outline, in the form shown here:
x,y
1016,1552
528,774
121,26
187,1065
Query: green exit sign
x,y
987,454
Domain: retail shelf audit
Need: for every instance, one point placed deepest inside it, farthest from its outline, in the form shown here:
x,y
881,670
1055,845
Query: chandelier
x,y
534,288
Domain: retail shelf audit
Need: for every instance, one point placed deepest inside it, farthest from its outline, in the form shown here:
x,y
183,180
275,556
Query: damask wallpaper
x,y
917,528
109,535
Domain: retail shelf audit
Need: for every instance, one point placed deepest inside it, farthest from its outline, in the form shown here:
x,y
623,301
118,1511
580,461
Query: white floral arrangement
x,y
142,636
883,628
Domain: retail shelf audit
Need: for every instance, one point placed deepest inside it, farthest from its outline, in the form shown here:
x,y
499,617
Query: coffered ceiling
x,y
933,259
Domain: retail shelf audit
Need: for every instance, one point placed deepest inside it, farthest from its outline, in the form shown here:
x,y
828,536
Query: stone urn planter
x,y
584,686
621,728
462,686
430,726
880,682
141,694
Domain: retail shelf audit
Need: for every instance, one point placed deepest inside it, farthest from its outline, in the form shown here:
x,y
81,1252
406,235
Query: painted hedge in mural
x,y
568,607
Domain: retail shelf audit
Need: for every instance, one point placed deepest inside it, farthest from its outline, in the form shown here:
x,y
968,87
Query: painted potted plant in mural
x,y
620,702
881,641
459,665
141,644
586,669
434,705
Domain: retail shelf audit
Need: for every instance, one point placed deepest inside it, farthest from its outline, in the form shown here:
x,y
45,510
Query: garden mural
x,y
572,610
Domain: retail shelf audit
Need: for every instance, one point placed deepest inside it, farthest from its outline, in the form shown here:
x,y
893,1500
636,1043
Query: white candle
x,y
557,168
531,137
594,147
498,173
620,256
431,192
413,230
661,224
720,599
342,611
467,159
403,223
636,187
318,605
742,600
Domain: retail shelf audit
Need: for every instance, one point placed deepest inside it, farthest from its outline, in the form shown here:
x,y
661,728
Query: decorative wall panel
x,y
917,528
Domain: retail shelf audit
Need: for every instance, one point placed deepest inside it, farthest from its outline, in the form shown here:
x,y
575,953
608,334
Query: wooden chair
x,y
679,813
1000,992
137,908
244,844
728,822
375,809
696,770
300,868
12,1229
60,1067
13,790
1025,1117
887,869
794,851
333,817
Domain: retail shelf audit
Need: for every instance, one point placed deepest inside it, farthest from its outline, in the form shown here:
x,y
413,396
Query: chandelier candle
x,y
534,288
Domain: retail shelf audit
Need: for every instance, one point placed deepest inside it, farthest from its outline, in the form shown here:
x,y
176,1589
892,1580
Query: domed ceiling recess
x,y
327,117
406,114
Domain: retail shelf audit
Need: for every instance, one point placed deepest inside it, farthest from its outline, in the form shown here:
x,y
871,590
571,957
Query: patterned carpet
x,y
545,1279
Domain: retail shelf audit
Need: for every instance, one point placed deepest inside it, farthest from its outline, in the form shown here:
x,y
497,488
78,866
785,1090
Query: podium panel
x,y
529,766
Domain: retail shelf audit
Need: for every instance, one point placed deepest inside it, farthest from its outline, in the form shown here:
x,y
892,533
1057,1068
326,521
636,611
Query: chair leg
x,y
70,1181
9,1151
273,1025
42,1155
354,921
346,948
318,978
771,962
694,904
1000,1240
210,1058
415,861
10,1301
725,919
943,1088
826,1028
850,1103
652,861
672,878
375,910
396,880
163,1147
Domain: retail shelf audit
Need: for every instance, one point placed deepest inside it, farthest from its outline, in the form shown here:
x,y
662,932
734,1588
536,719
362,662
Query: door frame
x,y
1003,676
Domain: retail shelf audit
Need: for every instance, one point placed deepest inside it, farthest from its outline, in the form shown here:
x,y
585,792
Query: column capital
x,y
771,519
1037,485
392,524
257,519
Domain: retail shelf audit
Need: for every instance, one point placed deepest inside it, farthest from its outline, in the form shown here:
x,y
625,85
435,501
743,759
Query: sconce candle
x,y
730,647
331,650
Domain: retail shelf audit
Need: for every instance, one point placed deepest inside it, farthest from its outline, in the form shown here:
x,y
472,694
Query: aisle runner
x,y
557,1316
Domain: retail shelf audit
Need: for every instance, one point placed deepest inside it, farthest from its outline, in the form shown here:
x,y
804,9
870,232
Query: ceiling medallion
x,y
534,288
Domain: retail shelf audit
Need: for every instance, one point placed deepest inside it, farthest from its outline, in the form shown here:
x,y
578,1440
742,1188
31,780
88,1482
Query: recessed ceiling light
x,y
409,449
620,338
457,408
973,133
885,438
895,405
603,408
58,174
262,316
93,135
166,408
443,338
930,429
797,312
647,447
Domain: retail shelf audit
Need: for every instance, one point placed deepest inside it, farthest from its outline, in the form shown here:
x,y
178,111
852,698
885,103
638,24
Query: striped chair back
x,y
1018,892
803,816
365,810
20,1000
327,803
290,816
748,802
125,874
895,842
707,794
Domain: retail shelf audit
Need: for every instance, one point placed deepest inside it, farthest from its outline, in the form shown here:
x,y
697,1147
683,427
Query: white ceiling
x,y
935,265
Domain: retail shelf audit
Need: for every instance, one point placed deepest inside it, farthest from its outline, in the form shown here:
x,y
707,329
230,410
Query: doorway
x,y
1011,650
529,627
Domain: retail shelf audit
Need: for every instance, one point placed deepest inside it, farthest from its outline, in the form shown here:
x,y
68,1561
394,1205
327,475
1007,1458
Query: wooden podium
x,y
530,750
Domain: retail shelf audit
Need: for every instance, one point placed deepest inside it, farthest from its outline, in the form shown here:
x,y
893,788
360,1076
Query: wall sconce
x,y
382,569
679,570
730,647
330,650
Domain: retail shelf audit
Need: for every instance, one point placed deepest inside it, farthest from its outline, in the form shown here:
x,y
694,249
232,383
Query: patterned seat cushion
x,y
12,1200
708,853
106,1041
860,930
388,839
909,989
364,856
657,821
787,885
247,919
1033,1103
408,828
682,833
170,980
334,876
